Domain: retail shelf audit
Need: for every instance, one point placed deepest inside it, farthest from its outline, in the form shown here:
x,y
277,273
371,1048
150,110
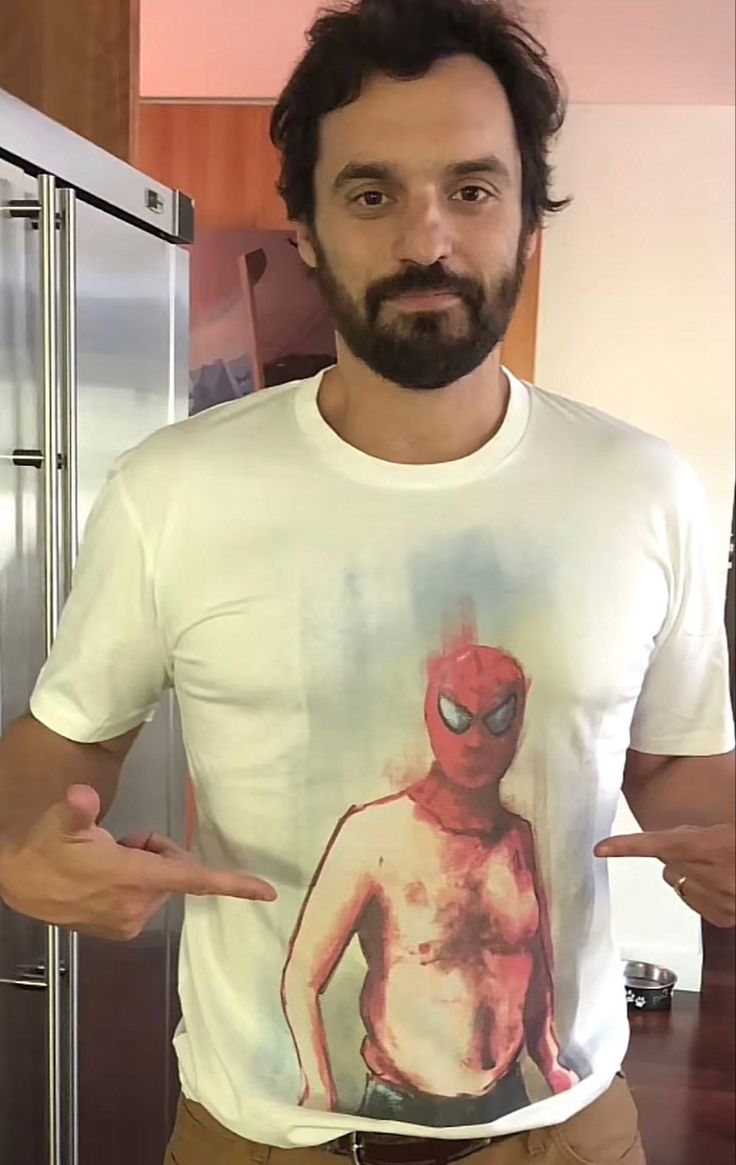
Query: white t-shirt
x,y
407,693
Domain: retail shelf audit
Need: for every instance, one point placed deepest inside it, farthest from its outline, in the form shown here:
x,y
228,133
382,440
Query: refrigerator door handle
x,y
70,540
49,274
30,457
51,451
69,459
44,217
30,976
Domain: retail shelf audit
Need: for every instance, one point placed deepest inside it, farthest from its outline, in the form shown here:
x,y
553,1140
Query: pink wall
x,y
221,48
643,52
671,52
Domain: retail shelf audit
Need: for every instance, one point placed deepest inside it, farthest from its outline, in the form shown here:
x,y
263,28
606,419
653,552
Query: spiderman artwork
x,y
440,885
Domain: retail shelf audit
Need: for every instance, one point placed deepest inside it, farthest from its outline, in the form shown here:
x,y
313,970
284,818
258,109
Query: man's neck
x,y
413,427
459,810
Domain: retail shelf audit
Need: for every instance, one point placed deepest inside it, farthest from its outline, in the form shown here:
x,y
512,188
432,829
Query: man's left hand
x,y
698,862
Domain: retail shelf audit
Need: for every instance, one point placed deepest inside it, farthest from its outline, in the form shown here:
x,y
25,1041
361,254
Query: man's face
x,y
474,711
417,241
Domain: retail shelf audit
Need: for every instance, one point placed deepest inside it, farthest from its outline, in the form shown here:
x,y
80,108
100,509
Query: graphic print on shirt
x,y
439,884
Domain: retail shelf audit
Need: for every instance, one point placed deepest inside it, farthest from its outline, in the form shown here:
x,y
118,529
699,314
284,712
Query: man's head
x,y
474,711
414,140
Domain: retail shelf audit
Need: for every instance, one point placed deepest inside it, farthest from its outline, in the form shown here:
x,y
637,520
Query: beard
x,y
427,350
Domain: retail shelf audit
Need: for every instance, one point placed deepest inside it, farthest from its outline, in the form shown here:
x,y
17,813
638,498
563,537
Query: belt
x,y
380,1149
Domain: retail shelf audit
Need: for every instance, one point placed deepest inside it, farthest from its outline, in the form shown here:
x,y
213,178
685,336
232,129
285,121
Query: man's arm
x,y
37,767
57,865
103,679
666,792
685,805
338,895
541,1038
684,798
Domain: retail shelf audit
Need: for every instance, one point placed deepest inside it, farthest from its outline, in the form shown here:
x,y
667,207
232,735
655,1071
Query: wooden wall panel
x,y
78,62
218,154
520,347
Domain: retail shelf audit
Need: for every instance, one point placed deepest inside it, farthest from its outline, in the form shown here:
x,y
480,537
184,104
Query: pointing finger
x,y
635,845
203,882
668,845
186,876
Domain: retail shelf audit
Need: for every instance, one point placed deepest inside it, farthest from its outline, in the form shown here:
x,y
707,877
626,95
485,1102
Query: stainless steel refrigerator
x,y
93,357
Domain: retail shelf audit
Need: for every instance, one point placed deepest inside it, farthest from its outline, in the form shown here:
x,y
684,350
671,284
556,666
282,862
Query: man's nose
x,y
476,740
424,236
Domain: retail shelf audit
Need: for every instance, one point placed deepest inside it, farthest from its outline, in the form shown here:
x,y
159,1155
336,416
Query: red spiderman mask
x,y
474,711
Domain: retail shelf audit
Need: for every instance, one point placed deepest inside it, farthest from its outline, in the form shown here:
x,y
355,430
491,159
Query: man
x,y
441,887
414,485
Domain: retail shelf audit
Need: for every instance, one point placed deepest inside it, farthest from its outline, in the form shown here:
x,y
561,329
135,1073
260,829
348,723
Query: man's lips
x,y
426,300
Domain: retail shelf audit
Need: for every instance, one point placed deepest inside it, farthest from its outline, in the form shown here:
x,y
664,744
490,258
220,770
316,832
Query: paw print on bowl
x,y
635,1000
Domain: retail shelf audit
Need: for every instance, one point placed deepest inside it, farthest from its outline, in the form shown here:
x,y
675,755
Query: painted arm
x,y
541,1038
337,897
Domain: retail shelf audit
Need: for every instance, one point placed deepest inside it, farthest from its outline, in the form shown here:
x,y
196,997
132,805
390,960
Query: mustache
x,y
422,279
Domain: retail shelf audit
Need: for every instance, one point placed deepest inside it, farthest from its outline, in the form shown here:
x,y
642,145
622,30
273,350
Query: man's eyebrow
x,y
383,172
489,164
364,171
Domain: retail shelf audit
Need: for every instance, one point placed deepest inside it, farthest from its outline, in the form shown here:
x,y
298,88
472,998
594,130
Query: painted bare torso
x,y
448,938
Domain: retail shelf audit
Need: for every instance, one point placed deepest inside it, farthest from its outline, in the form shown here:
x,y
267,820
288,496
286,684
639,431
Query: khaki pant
x,y
607,1133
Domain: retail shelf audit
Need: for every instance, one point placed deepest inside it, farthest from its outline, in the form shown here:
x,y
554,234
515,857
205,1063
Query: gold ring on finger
x,y
680,887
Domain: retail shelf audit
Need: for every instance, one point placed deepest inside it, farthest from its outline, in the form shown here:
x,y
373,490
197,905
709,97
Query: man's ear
x,y
531,246
305,246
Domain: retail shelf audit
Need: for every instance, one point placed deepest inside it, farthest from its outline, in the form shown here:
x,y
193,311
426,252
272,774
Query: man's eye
x,y
457,718
500,719
473,195
371,199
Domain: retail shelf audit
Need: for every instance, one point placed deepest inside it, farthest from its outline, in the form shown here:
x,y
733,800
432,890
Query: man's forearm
x,y
302,1009
37,767
688,790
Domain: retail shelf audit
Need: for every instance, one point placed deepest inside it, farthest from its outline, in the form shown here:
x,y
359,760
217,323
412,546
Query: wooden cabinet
x,y
77,61
520,346
221,156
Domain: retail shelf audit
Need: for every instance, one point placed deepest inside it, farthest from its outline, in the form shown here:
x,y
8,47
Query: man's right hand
x,y
68,871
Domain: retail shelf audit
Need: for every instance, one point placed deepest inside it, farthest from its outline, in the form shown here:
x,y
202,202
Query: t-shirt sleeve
x,y
684,708
108,667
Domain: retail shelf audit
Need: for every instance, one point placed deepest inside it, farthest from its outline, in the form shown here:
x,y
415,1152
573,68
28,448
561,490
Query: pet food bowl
x,y
649,987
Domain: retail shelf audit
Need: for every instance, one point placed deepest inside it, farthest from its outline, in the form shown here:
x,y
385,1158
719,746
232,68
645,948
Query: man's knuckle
x,y
129,928
9,896
128,912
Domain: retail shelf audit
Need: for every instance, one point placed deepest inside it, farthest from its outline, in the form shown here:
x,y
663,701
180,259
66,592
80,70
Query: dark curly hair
x,y
349,44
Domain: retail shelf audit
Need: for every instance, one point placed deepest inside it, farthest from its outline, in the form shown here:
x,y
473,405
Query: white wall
x,y
637,314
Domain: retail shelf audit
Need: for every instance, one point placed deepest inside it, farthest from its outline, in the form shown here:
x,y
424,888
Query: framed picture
x,y
257,317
